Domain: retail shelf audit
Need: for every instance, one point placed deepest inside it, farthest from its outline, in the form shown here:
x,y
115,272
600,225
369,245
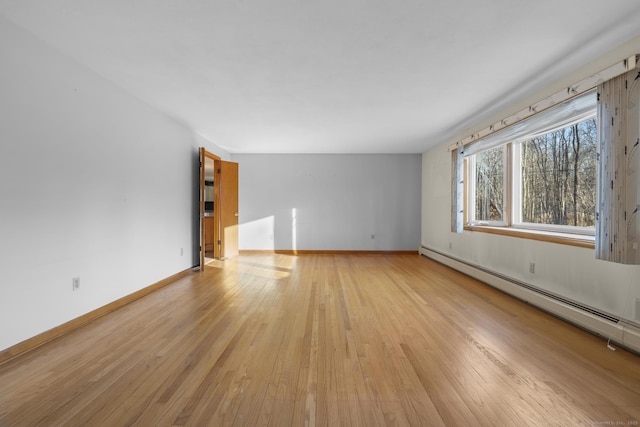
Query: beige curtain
x,y
618,194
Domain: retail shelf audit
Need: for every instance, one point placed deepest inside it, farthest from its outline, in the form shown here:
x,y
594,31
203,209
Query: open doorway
x,y
218,208
210,236
209,208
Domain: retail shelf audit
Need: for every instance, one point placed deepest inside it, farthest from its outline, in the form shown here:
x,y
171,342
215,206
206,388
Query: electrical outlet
x,y
181,251
76,283
450,245
532,267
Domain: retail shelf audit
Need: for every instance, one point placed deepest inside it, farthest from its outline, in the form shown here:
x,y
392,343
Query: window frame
x,y
513,225
470,173
516,205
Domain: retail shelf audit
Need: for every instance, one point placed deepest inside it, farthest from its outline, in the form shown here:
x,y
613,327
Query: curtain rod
x,y
558,97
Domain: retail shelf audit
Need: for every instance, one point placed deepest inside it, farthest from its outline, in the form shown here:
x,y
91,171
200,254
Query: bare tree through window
x,y
559,176
489,176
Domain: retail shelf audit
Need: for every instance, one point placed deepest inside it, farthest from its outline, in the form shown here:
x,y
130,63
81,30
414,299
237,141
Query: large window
x,y
563,170
544,179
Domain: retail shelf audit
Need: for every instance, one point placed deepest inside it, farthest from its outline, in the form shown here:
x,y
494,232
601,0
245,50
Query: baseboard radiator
x,y
619,331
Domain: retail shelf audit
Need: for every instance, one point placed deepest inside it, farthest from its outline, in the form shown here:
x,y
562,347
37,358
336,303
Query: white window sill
x,y
580,240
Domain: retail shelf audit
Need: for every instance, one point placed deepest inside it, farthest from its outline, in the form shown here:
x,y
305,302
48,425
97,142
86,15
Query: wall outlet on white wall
x,y
532,267
75,284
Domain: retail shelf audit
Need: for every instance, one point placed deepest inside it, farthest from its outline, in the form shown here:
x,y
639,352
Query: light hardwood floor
x,y
324,340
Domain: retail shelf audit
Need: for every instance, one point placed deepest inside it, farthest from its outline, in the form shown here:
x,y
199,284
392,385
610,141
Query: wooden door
x,y
228,180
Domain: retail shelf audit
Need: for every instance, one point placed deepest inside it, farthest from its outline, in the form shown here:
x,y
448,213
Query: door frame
x,y
204,155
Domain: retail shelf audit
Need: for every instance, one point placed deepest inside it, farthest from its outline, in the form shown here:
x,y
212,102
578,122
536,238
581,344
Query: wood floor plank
x,y
321,340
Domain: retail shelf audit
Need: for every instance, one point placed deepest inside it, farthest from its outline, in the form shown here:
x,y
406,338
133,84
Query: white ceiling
x,y
329,76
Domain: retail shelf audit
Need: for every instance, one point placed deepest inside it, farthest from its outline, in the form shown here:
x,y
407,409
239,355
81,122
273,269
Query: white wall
x,y
568,271
339,200
93,184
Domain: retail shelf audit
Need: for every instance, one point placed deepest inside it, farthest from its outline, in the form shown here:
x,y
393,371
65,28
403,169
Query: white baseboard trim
x,y
619,331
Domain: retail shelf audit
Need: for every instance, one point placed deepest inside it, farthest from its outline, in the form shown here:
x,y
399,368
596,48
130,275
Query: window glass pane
x,y
489,188
559,176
